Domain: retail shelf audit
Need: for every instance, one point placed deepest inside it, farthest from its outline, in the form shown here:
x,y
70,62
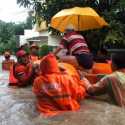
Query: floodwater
x,y
17,107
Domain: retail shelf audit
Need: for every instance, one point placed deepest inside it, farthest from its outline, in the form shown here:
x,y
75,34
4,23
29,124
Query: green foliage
x,y
7,36
8,32
112,10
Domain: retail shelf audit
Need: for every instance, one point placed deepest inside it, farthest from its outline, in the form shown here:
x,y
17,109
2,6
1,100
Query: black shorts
x,y
85,60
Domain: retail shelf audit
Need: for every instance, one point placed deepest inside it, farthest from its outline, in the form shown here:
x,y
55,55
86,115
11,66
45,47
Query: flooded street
x,y
17,107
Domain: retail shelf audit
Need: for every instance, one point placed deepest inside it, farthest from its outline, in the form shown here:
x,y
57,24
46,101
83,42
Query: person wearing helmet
x,y
7,63
78,52
22,70
34,53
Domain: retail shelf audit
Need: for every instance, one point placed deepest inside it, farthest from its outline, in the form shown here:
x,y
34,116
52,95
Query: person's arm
x,y
98,88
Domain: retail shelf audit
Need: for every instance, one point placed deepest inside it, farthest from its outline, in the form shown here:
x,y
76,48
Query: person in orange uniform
x,y
34,53
56,92
102,65
23,70
7,63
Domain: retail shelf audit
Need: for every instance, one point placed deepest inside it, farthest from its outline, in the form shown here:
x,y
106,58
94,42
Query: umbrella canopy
x,y
82,19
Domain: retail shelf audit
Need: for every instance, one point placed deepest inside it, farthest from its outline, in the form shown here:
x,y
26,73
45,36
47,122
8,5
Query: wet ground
x,y
17,107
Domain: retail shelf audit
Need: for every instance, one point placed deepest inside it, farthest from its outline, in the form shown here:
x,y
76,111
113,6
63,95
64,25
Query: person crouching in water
x,y
56,92
7,63
113,84
22,70
79,53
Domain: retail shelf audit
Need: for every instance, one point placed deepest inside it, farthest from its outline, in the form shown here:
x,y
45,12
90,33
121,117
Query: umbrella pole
x,y
78,22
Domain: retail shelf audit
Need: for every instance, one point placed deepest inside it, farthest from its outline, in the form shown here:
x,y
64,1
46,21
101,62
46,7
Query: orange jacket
x,y
57,92
21,75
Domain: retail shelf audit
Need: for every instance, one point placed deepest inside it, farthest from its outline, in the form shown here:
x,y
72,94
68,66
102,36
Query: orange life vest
x,y
101,68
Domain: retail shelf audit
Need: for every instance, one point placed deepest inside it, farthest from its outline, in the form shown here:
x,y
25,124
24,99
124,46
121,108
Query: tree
x,y
110,9
7,36
9,33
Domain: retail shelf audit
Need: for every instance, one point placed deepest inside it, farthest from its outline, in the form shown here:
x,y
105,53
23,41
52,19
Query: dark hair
x,y
103,51
118,59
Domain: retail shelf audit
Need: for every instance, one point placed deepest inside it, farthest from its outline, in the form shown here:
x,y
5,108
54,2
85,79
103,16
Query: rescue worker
x,y
113,84
22,70
102,65
34,53
7,63
55,91
78,51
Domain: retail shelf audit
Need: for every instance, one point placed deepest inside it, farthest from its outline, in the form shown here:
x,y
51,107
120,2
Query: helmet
x,y
21,53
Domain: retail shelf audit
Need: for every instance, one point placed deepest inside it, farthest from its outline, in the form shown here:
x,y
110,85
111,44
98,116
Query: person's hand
x,y
86,83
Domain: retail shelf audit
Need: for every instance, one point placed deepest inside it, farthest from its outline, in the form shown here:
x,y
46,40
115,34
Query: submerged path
x,y
17,107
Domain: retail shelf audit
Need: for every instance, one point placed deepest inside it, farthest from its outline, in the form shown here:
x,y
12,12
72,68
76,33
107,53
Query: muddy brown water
x,y
17,107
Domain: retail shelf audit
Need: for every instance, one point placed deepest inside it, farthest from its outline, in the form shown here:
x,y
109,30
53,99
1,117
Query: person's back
x,y
56,91
75,43
116,84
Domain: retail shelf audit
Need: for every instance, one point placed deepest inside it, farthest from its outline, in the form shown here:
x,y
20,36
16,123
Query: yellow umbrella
x,y
82,19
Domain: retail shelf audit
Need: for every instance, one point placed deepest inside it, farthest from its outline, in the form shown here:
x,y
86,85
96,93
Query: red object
x,y
20,53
